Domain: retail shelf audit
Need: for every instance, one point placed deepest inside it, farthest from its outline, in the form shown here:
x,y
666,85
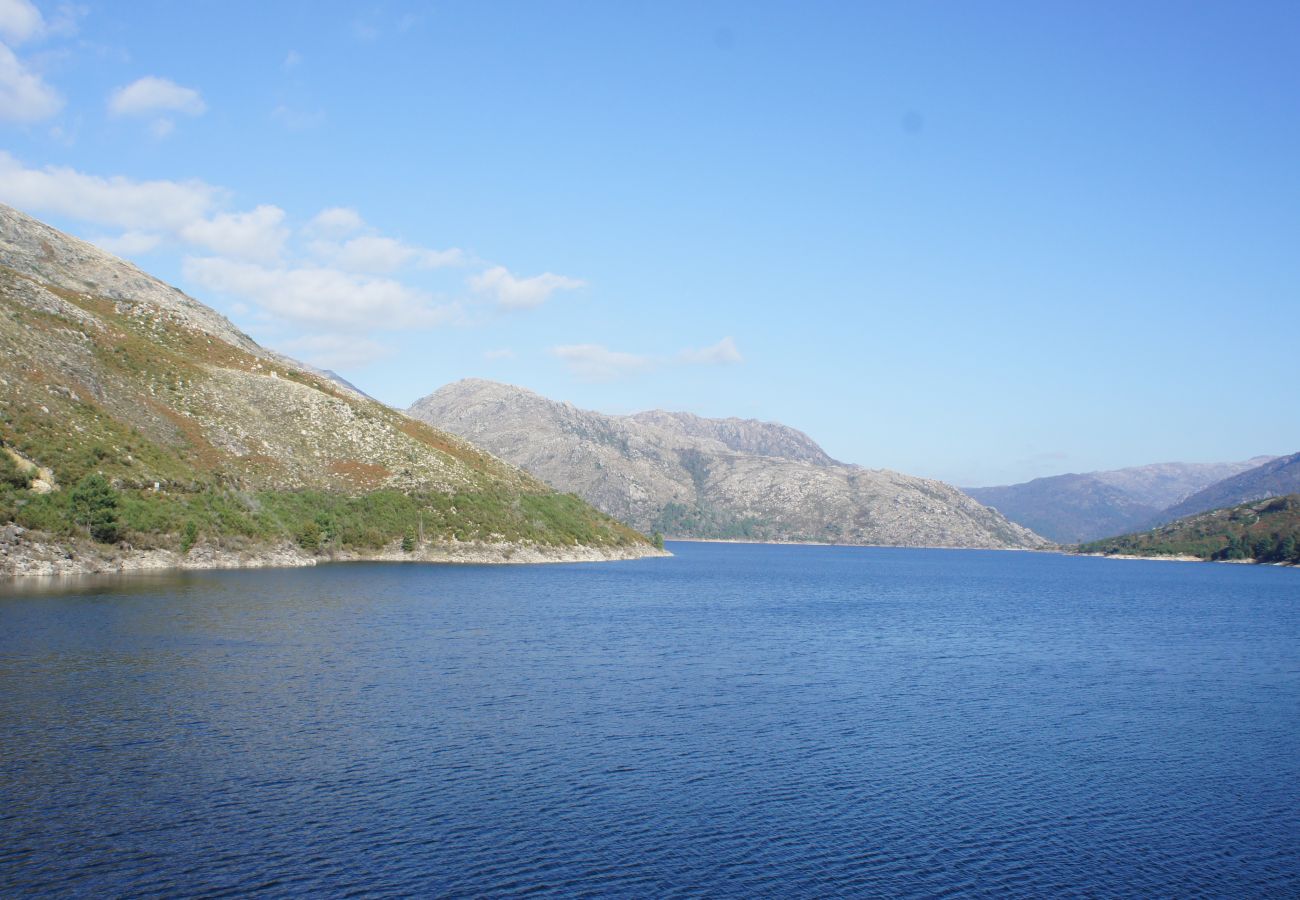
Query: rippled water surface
x,y
738,720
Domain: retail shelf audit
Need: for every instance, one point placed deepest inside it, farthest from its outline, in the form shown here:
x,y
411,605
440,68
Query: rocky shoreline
x,y
24,554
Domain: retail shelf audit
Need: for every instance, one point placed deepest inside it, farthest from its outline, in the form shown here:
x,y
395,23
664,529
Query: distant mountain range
x,y
688,476
1084,507
1274,478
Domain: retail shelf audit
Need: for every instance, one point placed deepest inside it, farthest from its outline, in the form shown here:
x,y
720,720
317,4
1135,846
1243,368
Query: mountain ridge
x,y
682,474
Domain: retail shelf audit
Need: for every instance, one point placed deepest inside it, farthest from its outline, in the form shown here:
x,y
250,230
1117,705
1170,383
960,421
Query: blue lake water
x,y
738,720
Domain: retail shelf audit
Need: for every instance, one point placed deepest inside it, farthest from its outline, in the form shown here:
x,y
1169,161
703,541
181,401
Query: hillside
x,y
1081,507
1274,478
691,477
1263,531
210,444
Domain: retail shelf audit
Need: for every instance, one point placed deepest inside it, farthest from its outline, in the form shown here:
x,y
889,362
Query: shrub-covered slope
x,y
1263,531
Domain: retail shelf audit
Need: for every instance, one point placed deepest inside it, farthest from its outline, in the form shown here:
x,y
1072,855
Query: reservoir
x,y
738,720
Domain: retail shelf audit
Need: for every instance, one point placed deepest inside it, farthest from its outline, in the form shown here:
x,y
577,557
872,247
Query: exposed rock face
x,y
729,478
742,435
1084,507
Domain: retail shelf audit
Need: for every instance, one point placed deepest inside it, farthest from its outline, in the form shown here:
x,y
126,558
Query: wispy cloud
x,y
335,222
321,296
373,253
294,119
510,292
337,351
128,243
115,201
723,353
596,362
152,95
24,95
257,235
20,21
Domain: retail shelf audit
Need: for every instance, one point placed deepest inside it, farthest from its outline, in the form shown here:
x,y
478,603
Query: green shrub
x,y
189,535
309,537
11,475
94,505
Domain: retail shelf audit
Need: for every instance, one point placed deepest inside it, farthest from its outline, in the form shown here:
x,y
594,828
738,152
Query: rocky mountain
x,y
197,435
1082,507
742,435
1266,531
1273,478
729,478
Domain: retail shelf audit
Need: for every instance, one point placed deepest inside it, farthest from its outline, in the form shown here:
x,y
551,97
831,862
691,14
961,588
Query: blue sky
x,y
975,241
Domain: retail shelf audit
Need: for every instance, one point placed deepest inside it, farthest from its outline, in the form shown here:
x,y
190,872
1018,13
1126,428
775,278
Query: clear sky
x,y
975,241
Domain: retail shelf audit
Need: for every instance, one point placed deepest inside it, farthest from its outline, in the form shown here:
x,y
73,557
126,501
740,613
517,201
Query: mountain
x,y
133,413
1081,507
1274,478
712,478
1262,530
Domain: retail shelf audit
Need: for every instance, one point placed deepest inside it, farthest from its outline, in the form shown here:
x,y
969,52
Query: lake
x,y
739,720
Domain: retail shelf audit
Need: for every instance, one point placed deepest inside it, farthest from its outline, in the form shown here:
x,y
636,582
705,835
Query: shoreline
x,y
830,544
1184,557
22,558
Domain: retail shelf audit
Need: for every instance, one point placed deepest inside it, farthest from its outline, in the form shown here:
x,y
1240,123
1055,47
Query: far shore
x,y
1057,550
691,540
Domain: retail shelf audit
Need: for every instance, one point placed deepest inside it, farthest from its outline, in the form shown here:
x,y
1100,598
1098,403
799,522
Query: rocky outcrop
x,y
692,477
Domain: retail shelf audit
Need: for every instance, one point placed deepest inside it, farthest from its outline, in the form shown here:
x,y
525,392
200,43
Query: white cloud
x,y
20,21
321,296
152,95
594,362
371,253
128,243
336,221
521,293
723,353
24,96
337,351
257,235
117,202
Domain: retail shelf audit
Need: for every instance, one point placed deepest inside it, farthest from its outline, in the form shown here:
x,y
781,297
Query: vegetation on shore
x,y
316,520
1265,531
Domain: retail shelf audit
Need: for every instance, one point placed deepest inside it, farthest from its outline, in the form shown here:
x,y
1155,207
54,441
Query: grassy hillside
x,y
125,419
1265,531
